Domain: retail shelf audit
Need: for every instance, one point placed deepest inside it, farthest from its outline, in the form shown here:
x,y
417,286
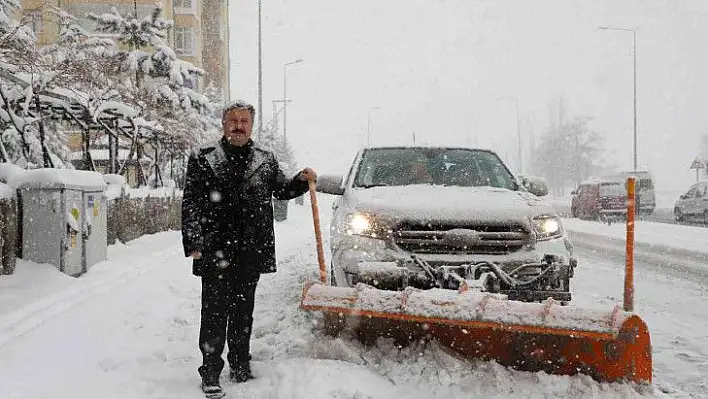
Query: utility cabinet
x,y
64,218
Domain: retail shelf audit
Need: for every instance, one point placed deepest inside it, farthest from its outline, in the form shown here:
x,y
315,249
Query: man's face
x,y
238,126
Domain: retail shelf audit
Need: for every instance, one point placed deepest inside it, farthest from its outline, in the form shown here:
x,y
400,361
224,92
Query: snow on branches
x,y
149,31
125,82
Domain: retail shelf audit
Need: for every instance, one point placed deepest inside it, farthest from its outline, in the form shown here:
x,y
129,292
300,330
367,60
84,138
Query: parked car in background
x,y
603,200
646,197
693,206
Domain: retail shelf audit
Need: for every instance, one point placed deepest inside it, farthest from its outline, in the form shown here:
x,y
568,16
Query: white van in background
x,y
646,196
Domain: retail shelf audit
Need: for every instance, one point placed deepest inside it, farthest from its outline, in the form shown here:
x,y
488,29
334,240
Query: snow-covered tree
x,y
21,76
163,85
216,97
281,148
569,153
13,35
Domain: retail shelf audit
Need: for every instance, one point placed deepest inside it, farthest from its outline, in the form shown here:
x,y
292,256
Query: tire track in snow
x,y
33,315
662,259
136,340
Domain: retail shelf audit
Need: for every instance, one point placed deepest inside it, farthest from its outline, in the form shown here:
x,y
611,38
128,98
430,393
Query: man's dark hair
x,y
238,104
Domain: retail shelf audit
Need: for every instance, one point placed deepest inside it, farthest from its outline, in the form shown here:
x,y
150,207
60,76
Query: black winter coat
x,y
228,216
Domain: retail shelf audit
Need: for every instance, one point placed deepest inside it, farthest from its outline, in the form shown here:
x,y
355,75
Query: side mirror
x,y
536,185
330,184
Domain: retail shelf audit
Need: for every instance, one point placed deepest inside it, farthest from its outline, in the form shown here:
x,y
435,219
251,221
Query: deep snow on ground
x,y
128,329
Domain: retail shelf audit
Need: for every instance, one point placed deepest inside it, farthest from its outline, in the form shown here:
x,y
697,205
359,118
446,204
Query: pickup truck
x,y
446,217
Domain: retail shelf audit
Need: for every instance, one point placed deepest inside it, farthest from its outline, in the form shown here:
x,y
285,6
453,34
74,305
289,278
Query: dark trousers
x,y
227,316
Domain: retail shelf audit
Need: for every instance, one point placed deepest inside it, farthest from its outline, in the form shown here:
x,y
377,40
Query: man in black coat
x,y
227,229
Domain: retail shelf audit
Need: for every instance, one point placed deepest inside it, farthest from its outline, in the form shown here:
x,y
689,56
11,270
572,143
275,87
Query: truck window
x,y
612,190
432,166
646,184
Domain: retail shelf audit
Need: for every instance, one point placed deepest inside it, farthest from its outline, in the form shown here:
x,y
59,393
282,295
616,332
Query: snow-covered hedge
x,y
8,229
130,218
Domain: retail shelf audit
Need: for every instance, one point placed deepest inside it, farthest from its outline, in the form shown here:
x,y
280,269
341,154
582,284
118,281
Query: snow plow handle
x,y
318,231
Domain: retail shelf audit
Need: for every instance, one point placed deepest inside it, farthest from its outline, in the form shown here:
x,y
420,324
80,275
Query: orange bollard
x,y
629,264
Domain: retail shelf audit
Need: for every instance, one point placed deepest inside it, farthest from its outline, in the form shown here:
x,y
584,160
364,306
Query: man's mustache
x,y
238,131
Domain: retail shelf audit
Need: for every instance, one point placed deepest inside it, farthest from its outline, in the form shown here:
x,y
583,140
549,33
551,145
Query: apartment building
x,y
199,36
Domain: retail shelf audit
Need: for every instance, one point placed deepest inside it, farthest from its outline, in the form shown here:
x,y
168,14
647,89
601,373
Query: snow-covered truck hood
x,y
449,203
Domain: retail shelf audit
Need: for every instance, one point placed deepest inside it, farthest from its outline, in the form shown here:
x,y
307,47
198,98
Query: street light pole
x,y
518,131
285,96
260,73
634,94
368,126
518,134
634,87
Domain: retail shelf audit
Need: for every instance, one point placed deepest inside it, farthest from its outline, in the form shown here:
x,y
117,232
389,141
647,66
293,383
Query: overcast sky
x,y
447,70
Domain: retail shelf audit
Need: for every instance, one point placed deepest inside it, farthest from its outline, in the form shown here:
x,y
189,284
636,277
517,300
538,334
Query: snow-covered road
x,y
673,308
130,331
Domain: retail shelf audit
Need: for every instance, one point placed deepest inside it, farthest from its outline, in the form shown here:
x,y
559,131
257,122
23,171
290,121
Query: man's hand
x,y
308,174
196,255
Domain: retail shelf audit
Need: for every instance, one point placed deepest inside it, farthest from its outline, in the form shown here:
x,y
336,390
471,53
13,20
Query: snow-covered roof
x,y
49,178
9,171
112,178
419,145
76,95
121,108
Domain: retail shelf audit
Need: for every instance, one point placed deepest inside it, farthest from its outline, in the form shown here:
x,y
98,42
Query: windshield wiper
x,y
373,185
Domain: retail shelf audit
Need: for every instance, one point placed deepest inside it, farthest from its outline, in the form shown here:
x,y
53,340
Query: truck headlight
x,y
365,224
547,227
359,223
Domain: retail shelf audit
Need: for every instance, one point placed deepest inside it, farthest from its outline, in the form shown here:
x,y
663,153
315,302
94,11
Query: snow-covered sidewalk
x,y
128,329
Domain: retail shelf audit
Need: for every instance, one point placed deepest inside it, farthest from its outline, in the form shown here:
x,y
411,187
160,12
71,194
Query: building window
x,y
184,41
35,22
186,7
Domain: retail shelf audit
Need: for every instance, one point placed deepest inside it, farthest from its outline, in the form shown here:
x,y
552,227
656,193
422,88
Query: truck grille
x,y
457,239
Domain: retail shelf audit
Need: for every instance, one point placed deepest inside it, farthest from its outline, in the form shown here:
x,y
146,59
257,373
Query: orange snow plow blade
x,y
609,346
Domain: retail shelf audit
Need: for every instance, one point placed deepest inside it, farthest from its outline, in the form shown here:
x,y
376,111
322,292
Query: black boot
x,y
241,373
211,386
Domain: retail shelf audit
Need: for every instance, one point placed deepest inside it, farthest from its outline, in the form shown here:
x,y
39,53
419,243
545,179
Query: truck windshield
x,y
612,190
433,166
